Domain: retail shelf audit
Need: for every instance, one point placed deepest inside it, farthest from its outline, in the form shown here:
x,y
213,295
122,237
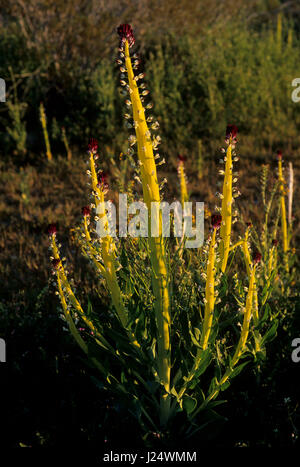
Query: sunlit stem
x,y
240,346
248,263
283,214
208,313
226,210
183,186
209,293
160,279
45,131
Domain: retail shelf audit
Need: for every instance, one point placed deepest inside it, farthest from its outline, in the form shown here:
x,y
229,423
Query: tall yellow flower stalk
x,y
182,180
151,194
273,257
68,297
249,265
241,346
227,197
216,221
283,209
246,321
45,131
107,244
210,298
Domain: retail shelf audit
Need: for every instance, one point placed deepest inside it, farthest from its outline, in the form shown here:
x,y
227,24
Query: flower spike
x,y
125,32
56,263
257,257
102,180
216,221
228,196
231,132
93,146
52,229
86,211
181,158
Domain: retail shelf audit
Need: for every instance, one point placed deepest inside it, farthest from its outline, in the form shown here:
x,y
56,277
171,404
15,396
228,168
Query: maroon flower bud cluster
x,y
231,132
216,220
279,154
181,158
102,180
274,242
126,33
56,263
257,257
93,146
52,229
249,225
86,211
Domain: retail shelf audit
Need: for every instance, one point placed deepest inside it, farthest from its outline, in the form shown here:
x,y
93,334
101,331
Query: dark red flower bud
x,y
51,229
125,32
86,211
279,154
249,225
93,145
257,257
274,242
102,179
231,131
181,158
55,263
216,220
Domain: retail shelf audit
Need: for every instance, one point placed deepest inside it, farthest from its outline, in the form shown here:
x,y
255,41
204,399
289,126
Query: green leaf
x,y
225,385
271,333
194,340
206,359
238,369
267,313
213,385
197,333
212,404
189,404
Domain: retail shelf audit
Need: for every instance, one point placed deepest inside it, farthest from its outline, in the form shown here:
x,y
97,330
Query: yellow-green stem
x,y
240,346
226,210
160,278
248,262
108,253
208,313
65,140
283,214
182,180
209,293
45,132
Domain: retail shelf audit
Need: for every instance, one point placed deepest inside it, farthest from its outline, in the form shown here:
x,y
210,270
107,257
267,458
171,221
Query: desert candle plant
x,y
146,279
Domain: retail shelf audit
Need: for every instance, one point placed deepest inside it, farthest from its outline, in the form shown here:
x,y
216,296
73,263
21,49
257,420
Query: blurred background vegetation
x,y
207,63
